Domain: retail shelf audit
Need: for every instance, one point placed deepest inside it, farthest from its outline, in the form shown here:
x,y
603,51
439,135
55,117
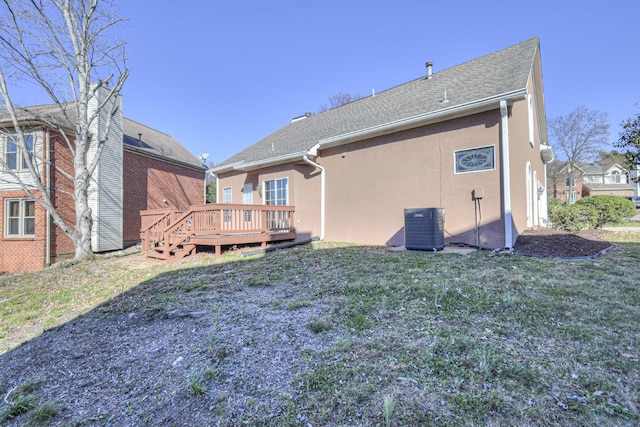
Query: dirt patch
x,y
242,341
550,243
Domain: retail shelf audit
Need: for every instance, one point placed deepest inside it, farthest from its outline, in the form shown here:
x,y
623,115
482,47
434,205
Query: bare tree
x,y
65,49
579,136
339,99
630,140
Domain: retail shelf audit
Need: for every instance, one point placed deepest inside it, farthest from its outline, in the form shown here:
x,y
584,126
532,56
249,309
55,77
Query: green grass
x,y
415,338
22,400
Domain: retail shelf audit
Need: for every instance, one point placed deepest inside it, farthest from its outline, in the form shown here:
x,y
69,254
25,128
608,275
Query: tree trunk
x,y
84,222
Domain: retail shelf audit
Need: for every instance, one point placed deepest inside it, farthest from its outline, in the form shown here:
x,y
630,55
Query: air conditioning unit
x,y
424,229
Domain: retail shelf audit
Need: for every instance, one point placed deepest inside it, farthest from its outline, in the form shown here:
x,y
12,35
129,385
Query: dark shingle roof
x,y
499,73
156,143
151,142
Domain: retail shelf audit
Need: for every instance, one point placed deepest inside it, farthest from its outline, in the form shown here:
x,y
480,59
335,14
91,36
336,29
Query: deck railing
x,y
164,230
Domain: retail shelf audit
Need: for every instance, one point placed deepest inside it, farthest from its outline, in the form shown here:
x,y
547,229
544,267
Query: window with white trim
x,y
276,192
531,130
15,158
19,218
247,199
226,195
226,198
475,159
615,175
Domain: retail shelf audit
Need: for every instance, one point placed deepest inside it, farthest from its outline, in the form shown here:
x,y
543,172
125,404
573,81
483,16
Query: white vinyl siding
x,y
15,160
106,187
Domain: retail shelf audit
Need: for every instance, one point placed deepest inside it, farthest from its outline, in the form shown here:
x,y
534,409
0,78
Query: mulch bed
x,y
555,243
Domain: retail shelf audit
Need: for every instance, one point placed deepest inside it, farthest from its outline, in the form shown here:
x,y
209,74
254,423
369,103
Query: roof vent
x,y
445,99
429,66
295,119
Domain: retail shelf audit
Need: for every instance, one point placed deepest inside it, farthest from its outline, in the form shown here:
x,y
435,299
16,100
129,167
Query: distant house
x,y
140,168
470,139
583,179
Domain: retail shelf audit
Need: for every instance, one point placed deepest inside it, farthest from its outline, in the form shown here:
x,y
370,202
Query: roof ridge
x,y
536,38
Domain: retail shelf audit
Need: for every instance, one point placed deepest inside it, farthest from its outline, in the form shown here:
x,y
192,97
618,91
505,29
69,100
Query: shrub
x,y
572,218
610,209
552,202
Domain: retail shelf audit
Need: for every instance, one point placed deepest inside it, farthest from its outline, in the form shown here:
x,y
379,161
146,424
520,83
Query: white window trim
x,y
264,190
247,199
531,124
21,218
247,194
224,195
19,153
455,166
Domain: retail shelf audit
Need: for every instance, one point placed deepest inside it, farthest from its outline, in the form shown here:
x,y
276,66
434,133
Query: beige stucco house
x,y
470,139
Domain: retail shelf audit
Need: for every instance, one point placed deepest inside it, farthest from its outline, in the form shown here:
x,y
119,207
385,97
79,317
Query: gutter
x,y
146,153
506,175
322,192
249,166
461,110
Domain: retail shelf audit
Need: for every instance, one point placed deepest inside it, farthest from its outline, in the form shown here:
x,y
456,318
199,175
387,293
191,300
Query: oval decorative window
x,y
476,159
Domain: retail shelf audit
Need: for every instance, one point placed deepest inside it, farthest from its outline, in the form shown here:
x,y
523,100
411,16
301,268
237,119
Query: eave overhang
x,y
147,153
456,111
258,164
431,117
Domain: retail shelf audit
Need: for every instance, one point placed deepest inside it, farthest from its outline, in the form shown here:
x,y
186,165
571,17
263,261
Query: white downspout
x,y
205,187
48,184
217,189
322,193
506,176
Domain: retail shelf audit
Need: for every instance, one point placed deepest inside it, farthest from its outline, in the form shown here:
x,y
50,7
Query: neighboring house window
x,y
592,179
276,192
247,199
20,218
226,198
615,175
474,160
570,182
571,196
15,158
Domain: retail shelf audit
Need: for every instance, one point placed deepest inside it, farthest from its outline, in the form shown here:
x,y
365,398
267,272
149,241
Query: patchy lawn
x,y
325,335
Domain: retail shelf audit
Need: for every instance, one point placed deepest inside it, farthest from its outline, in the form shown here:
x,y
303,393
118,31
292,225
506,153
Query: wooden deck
x,y
169,234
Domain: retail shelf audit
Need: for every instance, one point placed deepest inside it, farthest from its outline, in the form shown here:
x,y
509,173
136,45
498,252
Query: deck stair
x,y
173,234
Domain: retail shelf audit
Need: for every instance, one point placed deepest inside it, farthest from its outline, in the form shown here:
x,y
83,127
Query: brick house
x,y
573,182
140,168
470,141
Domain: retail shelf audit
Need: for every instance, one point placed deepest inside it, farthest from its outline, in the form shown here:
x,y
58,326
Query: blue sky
x,y
220,75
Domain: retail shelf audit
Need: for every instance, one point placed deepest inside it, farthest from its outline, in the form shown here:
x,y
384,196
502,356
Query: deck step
x,y
156,255
182,252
